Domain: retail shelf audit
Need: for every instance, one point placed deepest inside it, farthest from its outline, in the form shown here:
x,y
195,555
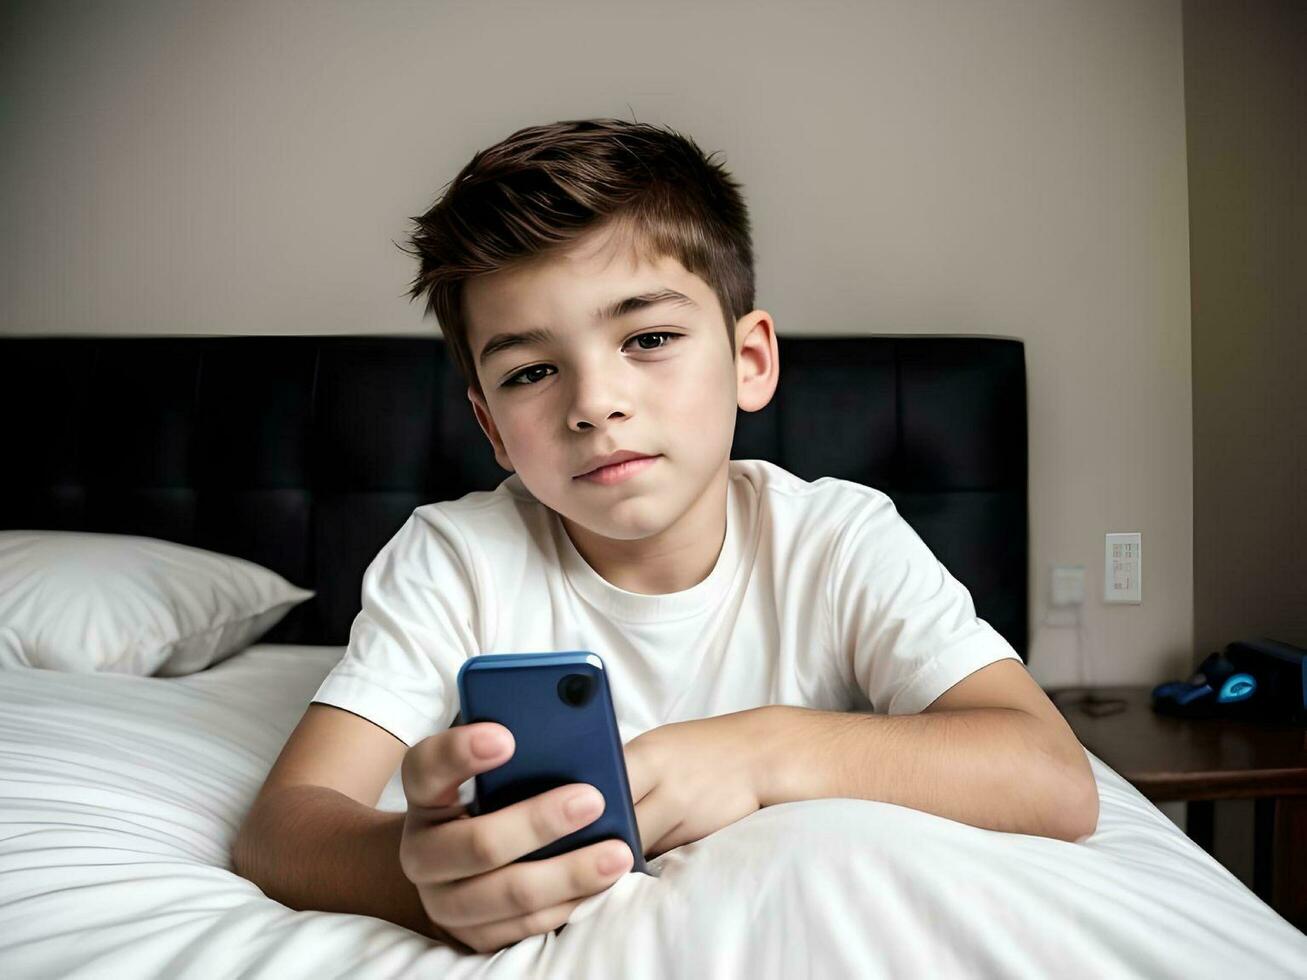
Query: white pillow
x,y
83,602
12,653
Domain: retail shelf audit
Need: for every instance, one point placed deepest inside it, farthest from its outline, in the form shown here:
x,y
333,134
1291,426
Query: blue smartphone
x,y
560,710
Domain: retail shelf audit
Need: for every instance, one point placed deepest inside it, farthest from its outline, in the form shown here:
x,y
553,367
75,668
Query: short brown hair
x,y
546,186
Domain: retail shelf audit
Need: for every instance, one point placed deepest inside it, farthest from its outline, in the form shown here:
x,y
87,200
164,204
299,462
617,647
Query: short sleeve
x,y
413,632
909,627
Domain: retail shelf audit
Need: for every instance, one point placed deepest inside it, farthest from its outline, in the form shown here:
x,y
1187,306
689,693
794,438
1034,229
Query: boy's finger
x,y
463,848
434,768
526,887
494,936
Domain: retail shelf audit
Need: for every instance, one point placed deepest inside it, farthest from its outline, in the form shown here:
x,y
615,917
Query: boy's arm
x,y
311,847
992,751
312,838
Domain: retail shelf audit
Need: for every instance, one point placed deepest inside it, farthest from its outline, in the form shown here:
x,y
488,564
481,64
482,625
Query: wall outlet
x,y
1068,585
1123,568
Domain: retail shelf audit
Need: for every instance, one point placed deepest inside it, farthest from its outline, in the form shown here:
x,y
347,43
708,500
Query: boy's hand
x,y
691,778
462,865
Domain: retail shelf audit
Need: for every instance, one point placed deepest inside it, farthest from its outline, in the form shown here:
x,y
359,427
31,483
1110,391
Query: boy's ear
x,y
757,361
487,424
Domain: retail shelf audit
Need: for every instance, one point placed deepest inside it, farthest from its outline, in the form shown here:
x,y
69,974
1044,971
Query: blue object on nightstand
x,y
1186,700
1262,680
1237,687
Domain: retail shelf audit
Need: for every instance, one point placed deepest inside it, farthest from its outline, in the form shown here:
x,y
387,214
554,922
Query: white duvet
x,y
120,797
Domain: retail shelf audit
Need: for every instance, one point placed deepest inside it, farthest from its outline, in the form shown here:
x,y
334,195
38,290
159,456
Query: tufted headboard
x,y
305,454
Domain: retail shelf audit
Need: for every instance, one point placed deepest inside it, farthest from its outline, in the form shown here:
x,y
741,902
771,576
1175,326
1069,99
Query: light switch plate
x,y
1123,568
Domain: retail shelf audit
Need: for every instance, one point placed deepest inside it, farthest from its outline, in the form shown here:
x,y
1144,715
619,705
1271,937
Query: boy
x,y
594,282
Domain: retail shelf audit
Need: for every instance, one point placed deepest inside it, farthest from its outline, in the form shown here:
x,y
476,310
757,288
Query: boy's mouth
x,y
618,472
597,463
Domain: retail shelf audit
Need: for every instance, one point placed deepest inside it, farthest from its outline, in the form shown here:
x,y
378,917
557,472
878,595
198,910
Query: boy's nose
x,y
587,416
586,426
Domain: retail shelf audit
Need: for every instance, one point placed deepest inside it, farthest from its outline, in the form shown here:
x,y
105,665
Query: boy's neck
x,y
678,558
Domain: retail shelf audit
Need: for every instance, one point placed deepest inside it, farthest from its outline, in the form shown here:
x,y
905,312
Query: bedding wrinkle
x,y
114,862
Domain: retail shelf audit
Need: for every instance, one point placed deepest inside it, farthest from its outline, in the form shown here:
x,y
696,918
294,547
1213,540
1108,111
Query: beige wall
x,y
1010,169
1245,102
1246,89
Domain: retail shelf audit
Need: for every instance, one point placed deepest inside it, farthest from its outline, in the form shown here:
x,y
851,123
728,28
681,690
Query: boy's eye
x,y
515,382
660,333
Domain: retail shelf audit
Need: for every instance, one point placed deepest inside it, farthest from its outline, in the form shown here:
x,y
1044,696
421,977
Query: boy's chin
x,y
616,523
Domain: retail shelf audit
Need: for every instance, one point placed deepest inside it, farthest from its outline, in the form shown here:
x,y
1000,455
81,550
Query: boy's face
x,y
595,387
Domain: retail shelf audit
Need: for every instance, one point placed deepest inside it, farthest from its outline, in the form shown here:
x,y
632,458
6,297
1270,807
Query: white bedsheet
x,y
120,797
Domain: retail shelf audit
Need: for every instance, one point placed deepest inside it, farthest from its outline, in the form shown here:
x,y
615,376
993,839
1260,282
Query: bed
x,y
121,790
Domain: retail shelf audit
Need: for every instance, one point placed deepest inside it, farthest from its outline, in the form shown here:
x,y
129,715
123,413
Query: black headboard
x,y
305,454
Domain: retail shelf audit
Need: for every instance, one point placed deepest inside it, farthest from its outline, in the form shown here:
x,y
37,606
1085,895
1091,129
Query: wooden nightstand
x,y
1202,760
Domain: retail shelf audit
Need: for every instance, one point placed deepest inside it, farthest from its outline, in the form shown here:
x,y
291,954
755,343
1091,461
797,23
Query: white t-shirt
x,y
823,596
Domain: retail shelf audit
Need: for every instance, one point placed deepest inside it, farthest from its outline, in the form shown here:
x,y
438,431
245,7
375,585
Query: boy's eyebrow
x,y
612,311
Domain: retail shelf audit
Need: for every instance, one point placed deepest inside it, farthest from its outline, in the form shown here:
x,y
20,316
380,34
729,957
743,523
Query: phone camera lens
x,y
575,689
